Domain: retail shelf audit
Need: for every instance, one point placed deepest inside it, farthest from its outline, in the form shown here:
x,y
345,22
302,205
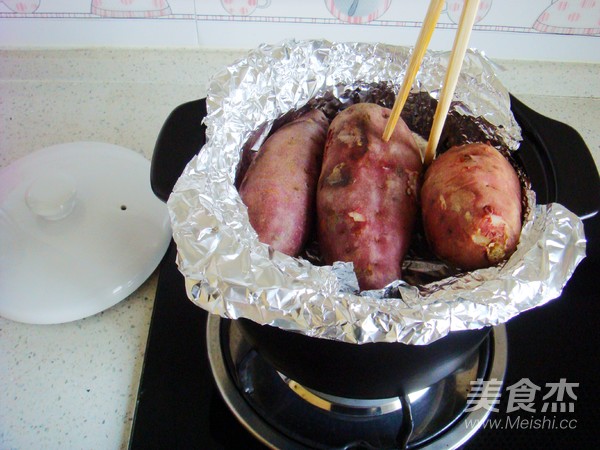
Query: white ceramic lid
x,y
80,230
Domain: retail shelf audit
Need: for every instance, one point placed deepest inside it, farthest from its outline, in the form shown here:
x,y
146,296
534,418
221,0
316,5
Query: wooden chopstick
x,y
459,48
431,19
467,19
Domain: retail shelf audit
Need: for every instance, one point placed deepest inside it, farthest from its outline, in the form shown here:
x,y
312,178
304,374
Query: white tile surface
x,y
532,30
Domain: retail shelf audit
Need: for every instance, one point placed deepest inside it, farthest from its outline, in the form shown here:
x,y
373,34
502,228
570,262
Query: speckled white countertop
x,y
74,385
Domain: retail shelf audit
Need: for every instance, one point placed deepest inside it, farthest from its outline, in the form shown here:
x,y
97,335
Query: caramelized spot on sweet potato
x,y
339,176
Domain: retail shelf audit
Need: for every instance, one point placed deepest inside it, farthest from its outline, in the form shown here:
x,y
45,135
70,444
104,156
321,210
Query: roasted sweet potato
x,y
471,206
280,184
367,194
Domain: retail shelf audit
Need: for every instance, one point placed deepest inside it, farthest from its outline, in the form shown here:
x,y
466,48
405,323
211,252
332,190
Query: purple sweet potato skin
x,y
280,184
368,194
471,206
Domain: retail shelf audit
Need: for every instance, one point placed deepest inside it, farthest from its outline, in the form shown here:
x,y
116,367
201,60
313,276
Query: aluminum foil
x,y
230,273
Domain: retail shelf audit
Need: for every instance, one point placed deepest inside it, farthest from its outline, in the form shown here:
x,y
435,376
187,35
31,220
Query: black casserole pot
x,y
383,370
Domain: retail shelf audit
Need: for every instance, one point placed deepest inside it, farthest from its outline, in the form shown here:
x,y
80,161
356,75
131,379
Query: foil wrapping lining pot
x,y
230,273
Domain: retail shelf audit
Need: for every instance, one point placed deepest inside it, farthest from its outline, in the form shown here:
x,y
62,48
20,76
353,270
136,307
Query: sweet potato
x,y
280,184
367,194
471,206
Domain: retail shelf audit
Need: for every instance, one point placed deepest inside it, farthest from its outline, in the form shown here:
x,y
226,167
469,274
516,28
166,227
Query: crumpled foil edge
x,y
230,273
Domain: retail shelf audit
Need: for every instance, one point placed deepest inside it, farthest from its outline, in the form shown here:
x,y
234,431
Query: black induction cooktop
x,y
552,350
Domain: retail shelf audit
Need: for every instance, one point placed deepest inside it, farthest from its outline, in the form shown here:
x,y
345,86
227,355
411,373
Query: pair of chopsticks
x,y
457,56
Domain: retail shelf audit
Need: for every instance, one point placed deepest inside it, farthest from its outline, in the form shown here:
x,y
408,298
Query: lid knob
x,y
52,196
